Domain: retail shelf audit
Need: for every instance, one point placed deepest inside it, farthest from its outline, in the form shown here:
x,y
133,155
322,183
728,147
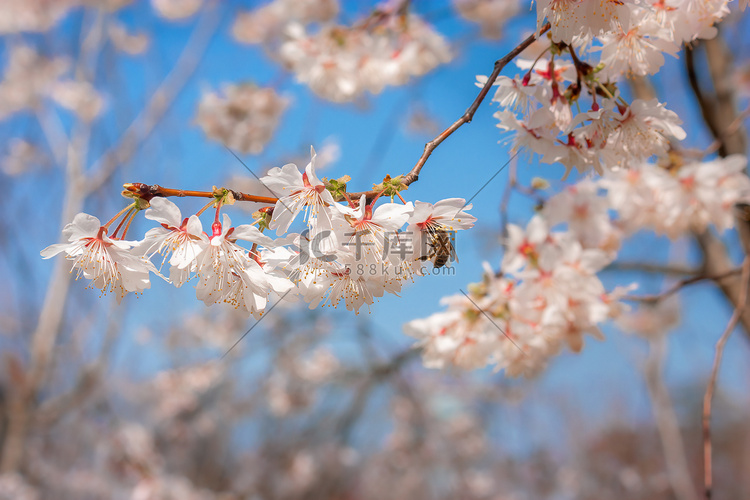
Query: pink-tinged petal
x,y
310,169
83,226
226,225
537,230
252,234
359,212
393,215
53,250
516,235
194,226
422,211
279,284
282,215
284,180
164,211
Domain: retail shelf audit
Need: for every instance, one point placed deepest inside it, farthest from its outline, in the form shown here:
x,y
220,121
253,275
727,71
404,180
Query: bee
x,y
441,247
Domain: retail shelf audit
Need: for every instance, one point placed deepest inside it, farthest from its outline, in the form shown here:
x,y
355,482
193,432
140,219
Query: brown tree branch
x,y
676,287
468,115
721,118
147,192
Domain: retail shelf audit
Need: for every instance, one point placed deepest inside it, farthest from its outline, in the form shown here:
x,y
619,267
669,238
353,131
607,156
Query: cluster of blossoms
x,y
630,39
547,294
491,15
23,16
174,10
679,198
244,118
353,252
636,29
610,135
340,63
29,78
132,43
266,24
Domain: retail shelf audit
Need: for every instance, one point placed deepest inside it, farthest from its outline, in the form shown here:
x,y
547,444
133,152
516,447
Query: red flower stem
x,y
130,219
117,216
130,213
208,205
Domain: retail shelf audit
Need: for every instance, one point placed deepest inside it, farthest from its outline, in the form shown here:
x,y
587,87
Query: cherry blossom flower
x,y
130,43
267,22
644,128
522,246
366,229
636,48
21,157
180,240
28,78
696,195
298,192
340,63
584,211
581,18
79,97
229,274
244,118
108,263
32,15
491,15
427,219
547,296
174,10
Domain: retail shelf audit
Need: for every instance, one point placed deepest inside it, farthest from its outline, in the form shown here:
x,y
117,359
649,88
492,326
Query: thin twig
x,y
652,268
468,115
680,285
708,397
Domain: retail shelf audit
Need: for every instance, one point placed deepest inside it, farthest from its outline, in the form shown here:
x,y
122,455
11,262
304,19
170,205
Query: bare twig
x,y
652,268
468,115
708,396
500,64
676,287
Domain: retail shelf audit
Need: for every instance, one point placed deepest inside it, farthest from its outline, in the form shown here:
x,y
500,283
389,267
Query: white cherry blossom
x,y
108,263
298,192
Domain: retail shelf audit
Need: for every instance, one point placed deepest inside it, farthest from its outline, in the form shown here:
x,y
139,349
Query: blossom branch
x,y
147,192
708,396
